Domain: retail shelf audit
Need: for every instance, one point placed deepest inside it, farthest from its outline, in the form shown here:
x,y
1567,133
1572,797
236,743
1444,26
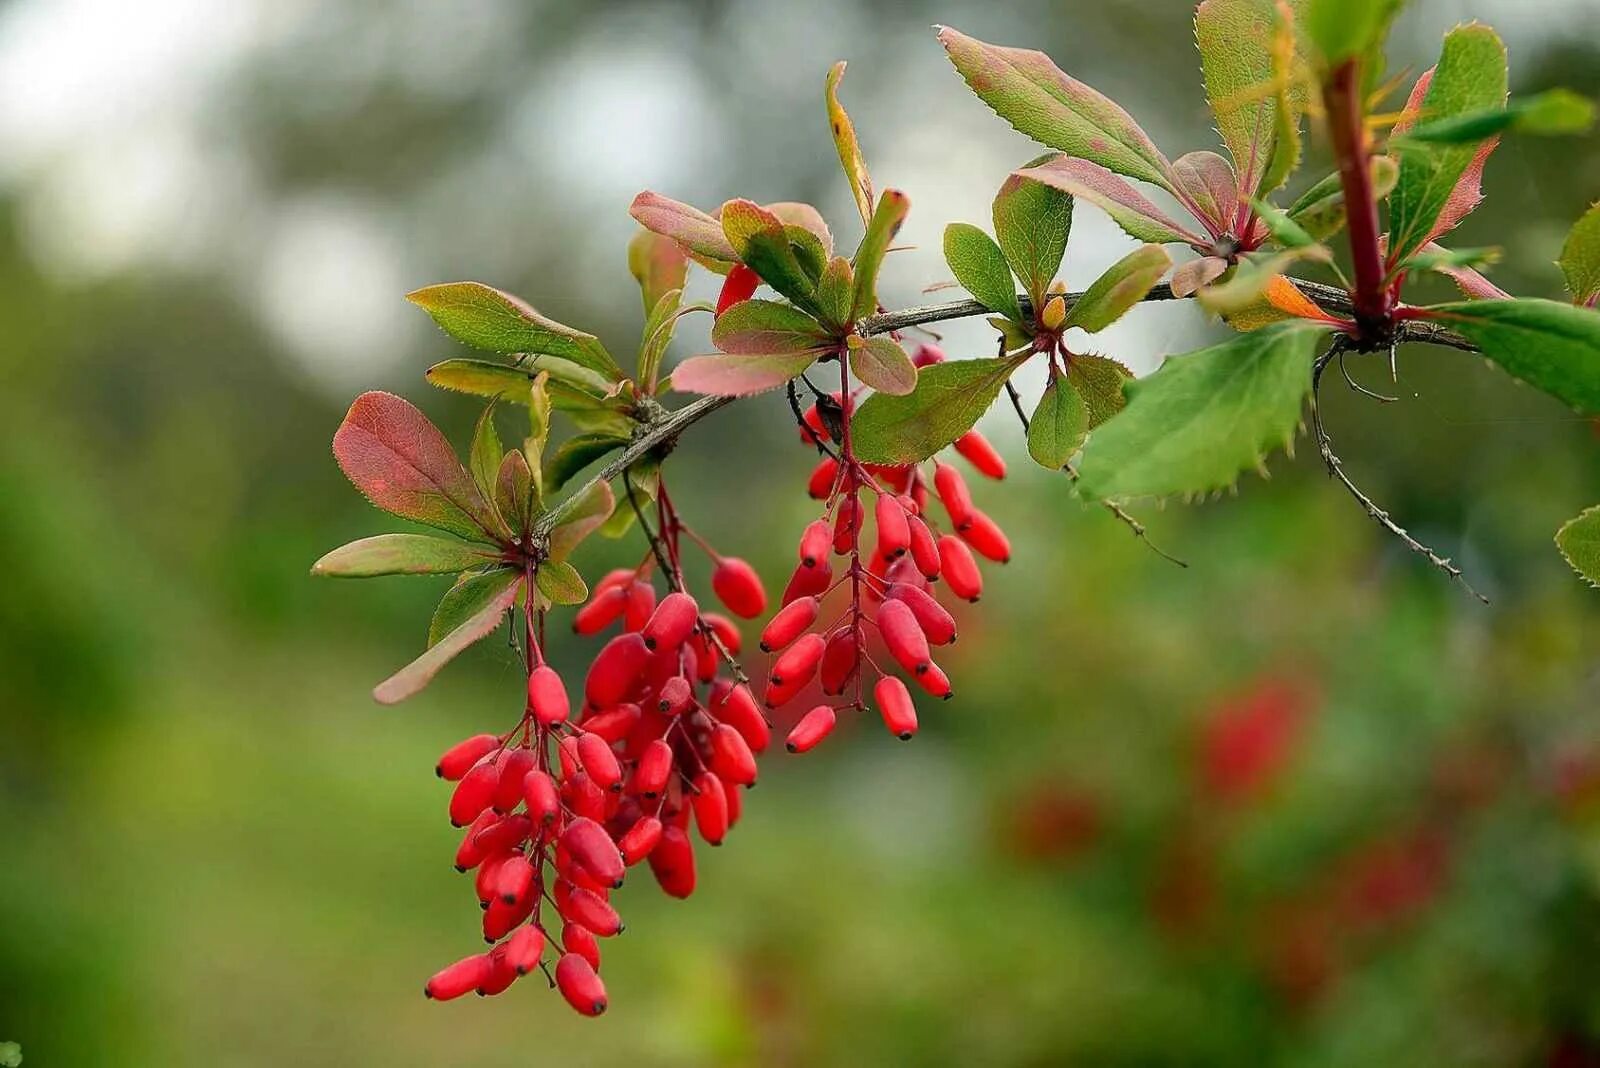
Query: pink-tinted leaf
x,y
1208,181
688,226
767,328
1190,276
585,512
739,376
1128,208
880,363
401,463
1472,283
809,219
503,586
401,554
844,139
762,243
1029,91
658,264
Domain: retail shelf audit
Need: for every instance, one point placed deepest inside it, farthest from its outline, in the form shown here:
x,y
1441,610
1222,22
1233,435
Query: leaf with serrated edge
x,y
835,292
581,515
507,584
1128,208
844,139
1471,76
762,243
1580,257
484,457
948,400
572,388
725,375
560,583
690,227
485,318
576,453
539,408
1208,181
1030,92
880,363
1204,417
1555,111
1124,284
403,464
1059,425
1319,211
1255,103
513,491
767,328
1579,542
1098,379
1549,345
981,268
401,554
1031,223
885,223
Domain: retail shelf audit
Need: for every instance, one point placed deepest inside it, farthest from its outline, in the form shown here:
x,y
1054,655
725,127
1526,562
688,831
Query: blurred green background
x,y
1303,803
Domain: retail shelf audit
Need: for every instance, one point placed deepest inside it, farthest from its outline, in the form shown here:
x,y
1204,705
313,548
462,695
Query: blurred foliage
x,y
1302,803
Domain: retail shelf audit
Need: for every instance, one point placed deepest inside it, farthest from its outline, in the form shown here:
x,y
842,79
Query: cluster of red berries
x,y
556,810
889,602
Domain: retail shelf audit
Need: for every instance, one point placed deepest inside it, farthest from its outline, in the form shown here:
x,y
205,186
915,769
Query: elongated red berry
x,y
513,764
934,682
539,792
985,536
980,454
927,353
501,974
736,706
614,724
846,525
960,570
641,838
791,621
503,835
580,985
605,607
592,911
524,948
653,770
474,793
823,476
812,428
793,669
725,629
470,853
514,880
462,977
739,587
672,622
599,761
499,919
615,669
710,807
584,797
903,636
576,938
936,622
894,532
814,543
812,728
675,697
840,659
740,284
731,757
808,582
547,696
924,548
483,884
641,602
672,862
592,847
894,705
459,758
953,494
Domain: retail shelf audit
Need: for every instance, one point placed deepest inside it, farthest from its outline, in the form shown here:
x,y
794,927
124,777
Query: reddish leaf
x,y
689,227
417,674
1128,208
738,376
1208,181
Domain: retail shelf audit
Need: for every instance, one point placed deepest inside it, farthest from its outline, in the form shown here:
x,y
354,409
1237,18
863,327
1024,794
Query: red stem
x,y
1341,94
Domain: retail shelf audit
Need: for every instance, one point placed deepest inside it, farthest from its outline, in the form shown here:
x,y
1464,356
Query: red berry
x,y
926,354
605,607
654,769
514,879
814,541
580,985
599,761
501,974
462,977
672,862
474,793
544,803
960,570
793,669
937,623
793,620
846,524
592,848
513,764
980,454
894,532
894,704
710,807
737,707
808,582
738,286
459,758
731,757
575,938
726,630
812,728
985,535
840,659
470,853
934,682
615,669
640,840
641,602
672,622
502,835
499,919
524,948
547,695
592,911
903,636
924,549
953,494
614,724
739,587
675,696
823,476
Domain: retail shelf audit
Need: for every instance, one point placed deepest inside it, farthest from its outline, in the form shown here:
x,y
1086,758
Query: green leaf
x,y
1580,257
572,388
981,268
1439,258
1556,111
887,218
539,408
726,375
794,214
1579,541
1547,344
844,139
470,612
1098,380
1031,93
514,491
880,363
1191,427
401,554
1128,208
403,464
767,328
486,453
1284,230
1032,221
690,227
1471,76
485,318
1059,425
1246,54
762,242
1343,29
560,583
658,264
659,326
948,400
576,453
581,515
1319,211
1247,284
1124,284
836,293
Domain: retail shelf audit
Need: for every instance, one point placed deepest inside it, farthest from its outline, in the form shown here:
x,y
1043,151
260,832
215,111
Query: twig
x,y
1336,470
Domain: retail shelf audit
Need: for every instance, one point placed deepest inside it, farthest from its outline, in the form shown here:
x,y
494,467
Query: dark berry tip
x,y
427,993
905,736
791,747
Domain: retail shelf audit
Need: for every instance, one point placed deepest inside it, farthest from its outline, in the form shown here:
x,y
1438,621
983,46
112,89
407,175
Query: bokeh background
x,y
1303,803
